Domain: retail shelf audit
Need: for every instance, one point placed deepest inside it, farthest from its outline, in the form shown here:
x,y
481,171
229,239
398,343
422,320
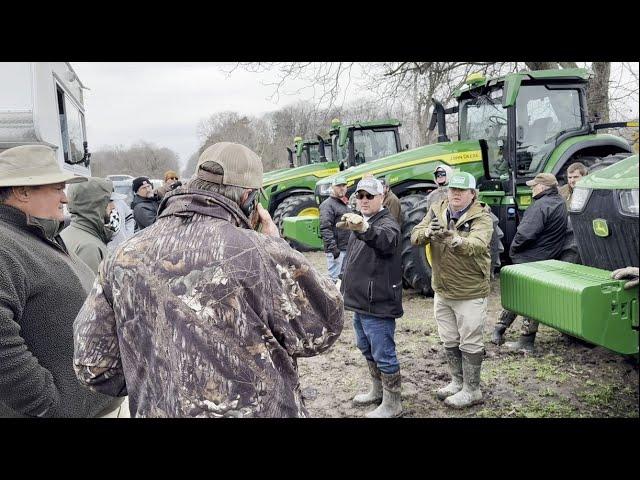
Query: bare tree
x,y
142,158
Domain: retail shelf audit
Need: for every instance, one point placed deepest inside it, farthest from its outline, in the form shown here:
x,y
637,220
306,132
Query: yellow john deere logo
x,y
600,227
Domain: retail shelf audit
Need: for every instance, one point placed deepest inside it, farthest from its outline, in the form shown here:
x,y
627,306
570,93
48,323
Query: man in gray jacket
x,y
42,288
335,240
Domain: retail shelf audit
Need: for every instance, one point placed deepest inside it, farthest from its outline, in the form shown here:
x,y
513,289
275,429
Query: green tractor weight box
x,y
582,301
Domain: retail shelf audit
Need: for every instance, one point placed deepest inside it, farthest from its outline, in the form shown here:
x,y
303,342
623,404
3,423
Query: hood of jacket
x,y
87,206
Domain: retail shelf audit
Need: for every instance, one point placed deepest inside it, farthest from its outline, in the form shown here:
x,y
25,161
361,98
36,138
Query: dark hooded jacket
x,y
87,235
200,316
541,233
42,288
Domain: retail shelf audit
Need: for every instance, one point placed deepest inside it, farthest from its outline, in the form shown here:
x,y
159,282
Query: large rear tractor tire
x,y
295,206
416,270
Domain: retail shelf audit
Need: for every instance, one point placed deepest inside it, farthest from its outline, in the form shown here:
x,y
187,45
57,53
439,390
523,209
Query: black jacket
x,y
372,269
540,235
331,210
145,211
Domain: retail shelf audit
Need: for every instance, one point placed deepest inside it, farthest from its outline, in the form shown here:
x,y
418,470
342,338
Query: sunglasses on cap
x,y
441,174
361,195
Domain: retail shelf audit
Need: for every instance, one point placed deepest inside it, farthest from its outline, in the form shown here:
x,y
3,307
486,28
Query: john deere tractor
x,y
583,300
510,129
289,191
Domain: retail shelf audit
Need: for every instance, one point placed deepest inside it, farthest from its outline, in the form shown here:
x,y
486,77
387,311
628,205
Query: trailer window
x,y
71,128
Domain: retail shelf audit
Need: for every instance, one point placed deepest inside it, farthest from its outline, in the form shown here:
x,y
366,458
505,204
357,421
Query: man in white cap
x,y
42,288
199,315
372,289
459,230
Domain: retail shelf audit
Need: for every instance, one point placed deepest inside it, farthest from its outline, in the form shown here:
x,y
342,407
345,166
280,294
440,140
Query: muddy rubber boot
x,y
374,395
391,405
524,343
504,322
454,358
470,393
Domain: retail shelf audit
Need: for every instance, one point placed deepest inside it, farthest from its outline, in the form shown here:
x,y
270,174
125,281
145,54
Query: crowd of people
x,y
187,303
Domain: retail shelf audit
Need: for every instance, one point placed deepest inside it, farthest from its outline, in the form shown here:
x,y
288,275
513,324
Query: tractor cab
x,y
522,118
308,152
362,142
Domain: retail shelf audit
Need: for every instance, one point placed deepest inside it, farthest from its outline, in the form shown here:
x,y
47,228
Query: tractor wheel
x,y
295,206
416,270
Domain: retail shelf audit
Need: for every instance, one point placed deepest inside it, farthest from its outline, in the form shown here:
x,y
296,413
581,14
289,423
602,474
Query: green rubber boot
x,y
374,395
454,357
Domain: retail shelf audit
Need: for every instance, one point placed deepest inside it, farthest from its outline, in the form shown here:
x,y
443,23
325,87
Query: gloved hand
x,y
175,185
438,232
336,252
354,222
633,273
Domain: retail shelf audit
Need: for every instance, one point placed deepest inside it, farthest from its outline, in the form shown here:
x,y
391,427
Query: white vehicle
x,y
41,103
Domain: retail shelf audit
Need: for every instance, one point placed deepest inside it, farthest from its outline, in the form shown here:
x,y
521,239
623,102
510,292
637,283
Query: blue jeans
x,y
374,338
334,265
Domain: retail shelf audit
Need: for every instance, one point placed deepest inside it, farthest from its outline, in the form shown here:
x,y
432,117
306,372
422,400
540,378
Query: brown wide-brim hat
x,y
30,165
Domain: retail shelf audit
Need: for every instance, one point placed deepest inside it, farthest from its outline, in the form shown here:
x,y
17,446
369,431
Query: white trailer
x,y
41,103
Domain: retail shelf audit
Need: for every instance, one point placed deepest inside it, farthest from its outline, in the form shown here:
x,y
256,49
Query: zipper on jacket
x,y
370,293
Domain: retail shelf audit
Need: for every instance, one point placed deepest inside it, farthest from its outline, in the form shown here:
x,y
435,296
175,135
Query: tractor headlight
x,y
579,199
324,189
629,201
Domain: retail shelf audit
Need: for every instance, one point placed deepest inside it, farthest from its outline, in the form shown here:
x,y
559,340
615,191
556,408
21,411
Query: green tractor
x,y
289,191
510,129
583,300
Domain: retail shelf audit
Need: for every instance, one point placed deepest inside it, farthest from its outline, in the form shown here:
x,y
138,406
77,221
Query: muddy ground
x,y
561,379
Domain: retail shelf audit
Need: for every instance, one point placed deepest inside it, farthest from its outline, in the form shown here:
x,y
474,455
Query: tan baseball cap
x,y
28,165
242,167
547,179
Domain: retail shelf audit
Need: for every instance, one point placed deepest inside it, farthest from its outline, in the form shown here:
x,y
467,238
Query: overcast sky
x,y
163,102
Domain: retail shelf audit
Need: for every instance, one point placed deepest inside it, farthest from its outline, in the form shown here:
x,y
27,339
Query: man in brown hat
x,y
200,315
540,236
171,182
42,288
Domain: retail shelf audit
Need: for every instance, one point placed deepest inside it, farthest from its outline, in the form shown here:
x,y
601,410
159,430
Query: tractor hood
x,y
622,175
451,153
318,169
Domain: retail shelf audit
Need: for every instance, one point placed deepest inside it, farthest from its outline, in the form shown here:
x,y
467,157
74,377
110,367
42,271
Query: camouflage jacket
x,y
199,316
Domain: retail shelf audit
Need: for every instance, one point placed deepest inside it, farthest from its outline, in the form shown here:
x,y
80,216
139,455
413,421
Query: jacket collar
x,y
548,191
21,220
185,201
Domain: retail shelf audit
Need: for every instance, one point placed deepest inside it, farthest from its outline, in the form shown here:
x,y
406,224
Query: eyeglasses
x,y
361,195
441,174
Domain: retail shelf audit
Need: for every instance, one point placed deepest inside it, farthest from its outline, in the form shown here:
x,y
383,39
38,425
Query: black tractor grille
x,y
620,248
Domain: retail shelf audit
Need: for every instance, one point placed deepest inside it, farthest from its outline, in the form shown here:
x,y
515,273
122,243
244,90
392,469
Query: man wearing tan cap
x,y
42,288
199,315
540,236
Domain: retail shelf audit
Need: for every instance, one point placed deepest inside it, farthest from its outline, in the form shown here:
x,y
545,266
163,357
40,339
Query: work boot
x,y
524,343
470,393
391,405
504,322
454,357
375,394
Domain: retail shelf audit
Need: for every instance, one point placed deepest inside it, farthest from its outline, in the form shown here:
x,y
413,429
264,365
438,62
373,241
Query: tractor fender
x,y
618,146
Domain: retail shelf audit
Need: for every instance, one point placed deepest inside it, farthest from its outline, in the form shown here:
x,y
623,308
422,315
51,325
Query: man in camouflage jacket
x,y
201,316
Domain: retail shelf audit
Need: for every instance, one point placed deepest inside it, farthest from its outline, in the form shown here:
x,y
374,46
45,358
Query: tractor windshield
x,y
368,144
542,115
483,117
